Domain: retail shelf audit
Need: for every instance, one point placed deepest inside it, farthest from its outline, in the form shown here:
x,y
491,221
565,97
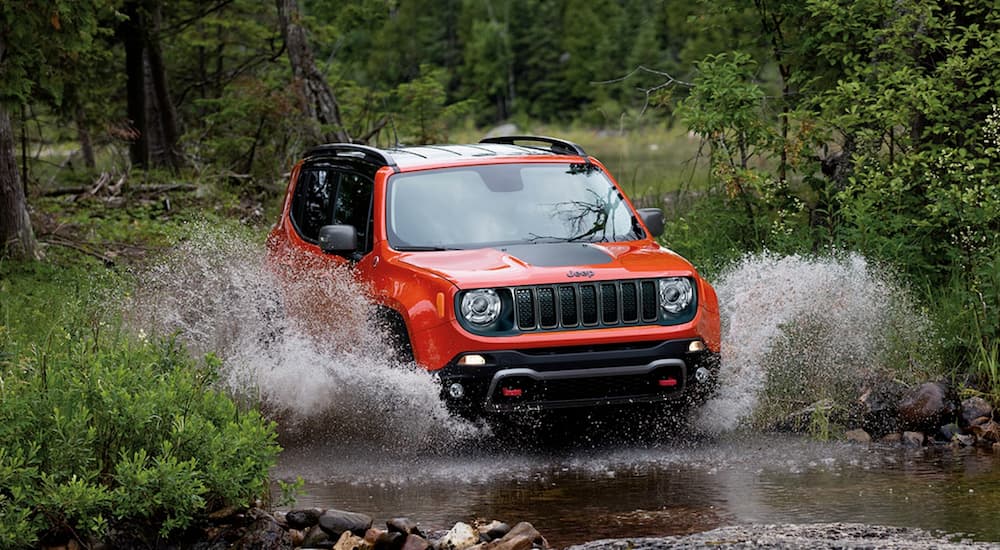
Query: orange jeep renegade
x,y
515,269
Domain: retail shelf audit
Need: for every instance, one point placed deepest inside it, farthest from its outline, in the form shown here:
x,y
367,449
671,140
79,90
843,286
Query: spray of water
x,y
799,329
795,329
308,349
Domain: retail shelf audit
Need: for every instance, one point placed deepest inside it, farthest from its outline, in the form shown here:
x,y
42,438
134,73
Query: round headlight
x,y
481,307
675,294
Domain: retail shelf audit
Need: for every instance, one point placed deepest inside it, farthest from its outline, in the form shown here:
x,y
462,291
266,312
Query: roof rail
x,y
353,150
557,146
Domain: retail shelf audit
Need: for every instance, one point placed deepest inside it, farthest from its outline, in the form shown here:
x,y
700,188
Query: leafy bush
x,y
106,433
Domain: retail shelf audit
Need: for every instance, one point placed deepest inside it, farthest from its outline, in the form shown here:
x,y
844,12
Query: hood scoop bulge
x,y
558,254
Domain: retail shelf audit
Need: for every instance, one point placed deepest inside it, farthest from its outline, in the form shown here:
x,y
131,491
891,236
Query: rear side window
x,y
329,196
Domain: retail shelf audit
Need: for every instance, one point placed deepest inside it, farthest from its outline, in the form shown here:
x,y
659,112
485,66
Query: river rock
x,y
460,537
975,407
415,542
858,436
925,407
949,431
405,526
316,537
913,439
494,530
350,541
264,534
372,535
985,429
891,438
389,540
875,409
336,522
520,537
303,519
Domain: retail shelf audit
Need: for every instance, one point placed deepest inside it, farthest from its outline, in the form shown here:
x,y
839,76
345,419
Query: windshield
x,y
505,204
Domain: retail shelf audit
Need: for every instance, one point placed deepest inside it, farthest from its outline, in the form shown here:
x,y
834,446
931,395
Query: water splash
x,y
312,353
797,329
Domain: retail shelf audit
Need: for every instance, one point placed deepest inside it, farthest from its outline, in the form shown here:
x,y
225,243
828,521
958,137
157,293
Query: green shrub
x,y
102,432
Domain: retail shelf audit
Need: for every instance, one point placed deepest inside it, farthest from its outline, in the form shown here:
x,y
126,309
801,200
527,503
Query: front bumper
x,y
585,376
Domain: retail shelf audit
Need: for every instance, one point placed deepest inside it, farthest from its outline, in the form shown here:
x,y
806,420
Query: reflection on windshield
x,y
505,204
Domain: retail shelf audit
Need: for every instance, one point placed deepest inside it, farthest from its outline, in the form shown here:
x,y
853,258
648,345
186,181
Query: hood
x,y
526,264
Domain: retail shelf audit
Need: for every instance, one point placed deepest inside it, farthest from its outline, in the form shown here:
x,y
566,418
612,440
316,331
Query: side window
x,y
326,195
354,206
313,202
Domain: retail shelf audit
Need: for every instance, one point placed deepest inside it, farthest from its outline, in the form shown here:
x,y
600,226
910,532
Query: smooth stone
x,y
987,430
350,541
336,522
924,407
858,436
495,530
389,540
303,519
460,537
405,526
415,542
913,439
975,407
520,537
949,431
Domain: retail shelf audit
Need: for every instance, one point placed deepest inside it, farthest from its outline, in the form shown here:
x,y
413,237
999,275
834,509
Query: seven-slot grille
x,y
573,305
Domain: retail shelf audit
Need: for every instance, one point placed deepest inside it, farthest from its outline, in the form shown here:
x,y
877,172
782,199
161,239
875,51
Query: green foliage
x,y
424,117
53,35
253,128
102,431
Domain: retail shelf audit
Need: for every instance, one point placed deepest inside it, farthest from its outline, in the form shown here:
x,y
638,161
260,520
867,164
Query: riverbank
x,y
342,530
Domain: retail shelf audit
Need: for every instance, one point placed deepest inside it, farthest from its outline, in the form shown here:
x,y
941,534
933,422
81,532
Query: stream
x,y
676,487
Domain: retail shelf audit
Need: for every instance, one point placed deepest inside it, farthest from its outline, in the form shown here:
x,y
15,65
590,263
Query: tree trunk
x,y
135,84
169,152
150,107
318,100
17,240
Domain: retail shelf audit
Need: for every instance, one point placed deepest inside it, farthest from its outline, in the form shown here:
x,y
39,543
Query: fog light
x,y
456,391
696,345
701,375
473,360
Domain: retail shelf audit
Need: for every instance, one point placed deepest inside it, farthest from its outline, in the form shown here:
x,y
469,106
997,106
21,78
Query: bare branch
x,y
670,81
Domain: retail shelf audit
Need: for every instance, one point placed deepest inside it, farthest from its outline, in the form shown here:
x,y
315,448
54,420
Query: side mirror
x,y
653,219
338,239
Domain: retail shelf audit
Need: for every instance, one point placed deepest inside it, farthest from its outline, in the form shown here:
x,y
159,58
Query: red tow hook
x,y
667,382
511,392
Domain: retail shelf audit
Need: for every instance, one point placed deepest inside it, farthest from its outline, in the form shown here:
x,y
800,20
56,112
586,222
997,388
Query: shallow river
x,y
574,495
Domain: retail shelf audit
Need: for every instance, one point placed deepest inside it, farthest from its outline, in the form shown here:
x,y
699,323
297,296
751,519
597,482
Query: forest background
x,y
792,126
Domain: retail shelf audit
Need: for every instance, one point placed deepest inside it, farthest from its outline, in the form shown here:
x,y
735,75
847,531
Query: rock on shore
x,y
811,536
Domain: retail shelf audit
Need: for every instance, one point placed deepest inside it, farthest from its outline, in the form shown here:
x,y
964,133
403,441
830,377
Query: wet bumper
x,y
546,379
